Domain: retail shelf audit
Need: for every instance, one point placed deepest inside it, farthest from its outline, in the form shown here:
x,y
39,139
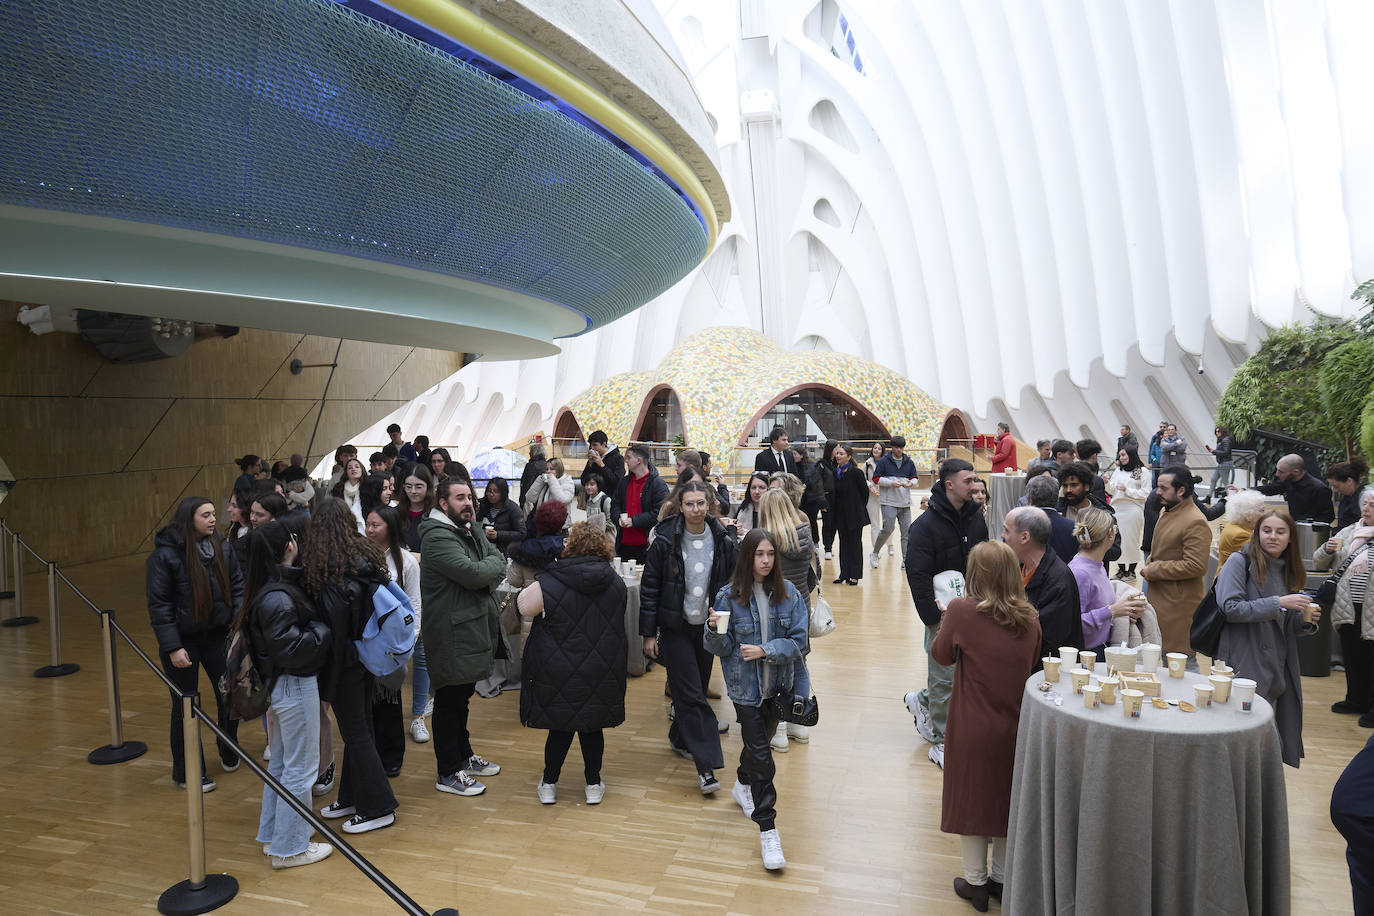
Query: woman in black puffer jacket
x,y
290,643
194,589
574,661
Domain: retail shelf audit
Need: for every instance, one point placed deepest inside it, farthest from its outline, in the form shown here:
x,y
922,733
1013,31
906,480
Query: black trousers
x,y
389,733
449,727
1358,654
814,519
851,553
556,751
207,650
1352,811
626,552
828,529
694,721
362,782
756,727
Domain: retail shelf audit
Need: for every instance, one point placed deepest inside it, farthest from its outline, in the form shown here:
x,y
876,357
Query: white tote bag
x,y
822,620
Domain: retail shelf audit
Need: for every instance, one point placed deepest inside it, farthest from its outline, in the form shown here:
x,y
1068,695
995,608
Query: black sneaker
x,y
360,824
229,764
324,783
1366,721
708,782
206,784
1347,708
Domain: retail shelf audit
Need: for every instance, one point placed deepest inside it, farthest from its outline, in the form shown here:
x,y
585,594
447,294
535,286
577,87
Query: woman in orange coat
x,y
994,635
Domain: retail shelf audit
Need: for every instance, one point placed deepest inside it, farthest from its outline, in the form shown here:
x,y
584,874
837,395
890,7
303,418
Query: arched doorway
x,y
957,432
814,412
660,418
568,439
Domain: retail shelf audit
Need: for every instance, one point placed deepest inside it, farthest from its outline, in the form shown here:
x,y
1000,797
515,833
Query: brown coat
x,y
984,709
1177,567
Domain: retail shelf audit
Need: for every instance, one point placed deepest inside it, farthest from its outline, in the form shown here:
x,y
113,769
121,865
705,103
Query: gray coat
x,y
1260,641
799,567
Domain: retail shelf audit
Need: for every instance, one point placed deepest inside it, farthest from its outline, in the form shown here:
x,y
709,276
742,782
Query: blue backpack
x,y
388,638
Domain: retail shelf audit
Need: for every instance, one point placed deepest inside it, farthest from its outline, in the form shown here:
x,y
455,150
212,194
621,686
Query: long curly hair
x,y
335,549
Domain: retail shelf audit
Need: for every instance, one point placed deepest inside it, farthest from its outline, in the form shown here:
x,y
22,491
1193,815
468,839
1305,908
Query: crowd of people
x,y
733,580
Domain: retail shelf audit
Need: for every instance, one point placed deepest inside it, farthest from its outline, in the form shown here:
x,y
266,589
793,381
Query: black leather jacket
x,y
171,610
287,632
661,590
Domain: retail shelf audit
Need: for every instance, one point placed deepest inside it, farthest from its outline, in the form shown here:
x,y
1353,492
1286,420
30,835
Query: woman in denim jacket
x,y
763,642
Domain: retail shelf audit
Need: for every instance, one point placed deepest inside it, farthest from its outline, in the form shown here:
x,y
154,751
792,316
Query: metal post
x,y
20,619
201,892
118,750
4,562
56,668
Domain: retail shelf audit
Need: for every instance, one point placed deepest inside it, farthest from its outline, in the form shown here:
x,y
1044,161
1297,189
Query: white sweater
x,y
410,582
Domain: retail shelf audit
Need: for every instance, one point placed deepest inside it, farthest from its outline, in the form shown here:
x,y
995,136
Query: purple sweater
x,y
1096,596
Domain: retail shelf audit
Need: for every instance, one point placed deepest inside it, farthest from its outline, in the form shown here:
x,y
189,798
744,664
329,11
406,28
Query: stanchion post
x,y
118,750
20,619
55,668
5,591
201,893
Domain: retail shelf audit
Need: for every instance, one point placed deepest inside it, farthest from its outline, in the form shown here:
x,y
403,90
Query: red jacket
x,y
1004,456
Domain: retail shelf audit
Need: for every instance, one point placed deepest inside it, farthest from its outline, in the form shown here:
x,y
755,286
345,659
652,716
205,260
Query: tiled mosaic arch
x,y
719,394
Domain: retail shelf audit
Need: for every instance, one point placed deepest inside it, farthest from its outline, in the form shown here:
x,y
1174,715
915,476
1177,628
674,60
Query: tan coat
x,y
1178,565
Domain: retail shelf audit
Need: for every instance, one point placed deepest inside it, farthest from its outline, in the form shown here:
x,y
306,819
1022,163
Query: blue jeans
x,y
1222,472
295,762
419,680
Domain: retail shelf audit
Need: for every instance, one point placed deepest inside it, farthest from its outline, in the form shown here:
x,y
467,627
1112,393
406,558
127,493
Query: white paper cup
x,y
1108,687
1091,695
1080,678
1204,695
1087,660
1069,656
1224,670
1120,659
1244,689
1178,663
1149,656
1221,687
1051,669
722,621
618,564
1132,701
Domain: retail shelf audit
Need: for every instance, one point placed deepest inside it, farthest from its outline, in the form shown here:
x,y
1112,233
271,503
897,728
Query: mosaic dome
x,y
720,398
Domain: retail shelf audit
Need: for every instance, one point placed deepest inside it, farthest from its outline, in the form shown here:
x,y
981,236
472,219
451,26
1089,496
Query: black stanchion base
x,y
57,670
446,911
18,621
104,756
183,900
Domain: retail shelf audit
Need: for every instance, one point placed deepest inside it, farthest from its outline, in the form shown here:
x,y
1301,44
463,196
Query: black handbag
x,y
1208,620
1326,594
795,708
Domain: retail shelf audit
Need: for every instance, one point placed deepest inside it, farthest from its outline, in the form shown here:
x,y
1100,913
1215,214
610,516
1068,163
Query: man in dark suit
x,y
777,457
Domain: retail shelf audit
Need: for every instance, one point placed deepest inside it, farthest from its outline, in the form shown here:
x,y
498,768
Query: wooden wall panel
x,y
102,452
60,436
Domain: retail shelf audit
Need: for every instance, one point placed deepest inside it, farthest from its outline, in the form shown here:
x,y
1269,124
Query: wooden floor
x,y
858,807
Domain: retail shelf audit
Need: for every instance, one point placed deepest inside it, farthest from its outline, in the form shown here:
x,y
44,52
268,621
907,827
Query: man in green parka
x,y
459,571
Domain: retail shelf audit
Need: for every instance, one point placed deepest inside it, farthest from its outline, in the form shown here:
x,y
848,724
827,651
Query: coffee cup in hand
x,y
722,622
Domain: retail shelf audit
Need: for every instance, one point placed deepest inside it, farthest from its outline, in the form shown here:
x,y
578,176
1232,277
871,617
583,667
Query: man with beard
x,y
1178,558
461,628
938,544
1077,481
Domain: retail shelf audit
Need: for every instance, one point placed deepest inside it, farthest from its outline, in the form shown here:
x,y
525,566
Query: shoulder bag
x,y
1208,619
1326,594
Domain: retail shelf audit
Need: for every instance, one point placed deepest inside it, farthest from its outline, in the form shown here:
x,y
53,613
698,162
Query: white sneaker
x,y
829,555
771,844
267,752
359,824
548,794
924,728
418,731
891,550
744,797
594,793
937,755
315,852
873,560
429,707
799,733
476,766
779,740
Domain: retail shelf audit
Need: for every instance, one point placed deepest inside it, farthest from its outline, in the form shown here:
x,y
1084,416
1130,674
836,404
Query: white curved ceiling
x,y
1064,214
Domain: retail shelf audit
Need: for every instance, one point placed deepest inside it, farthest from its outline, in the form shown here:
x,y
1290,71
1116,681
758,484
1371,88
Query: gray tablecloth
x,y
1173,812
505,673
1003,493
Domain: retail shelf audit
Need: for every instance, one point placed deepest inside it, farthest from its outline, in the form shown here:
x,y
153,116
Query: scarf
x,y
350,493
